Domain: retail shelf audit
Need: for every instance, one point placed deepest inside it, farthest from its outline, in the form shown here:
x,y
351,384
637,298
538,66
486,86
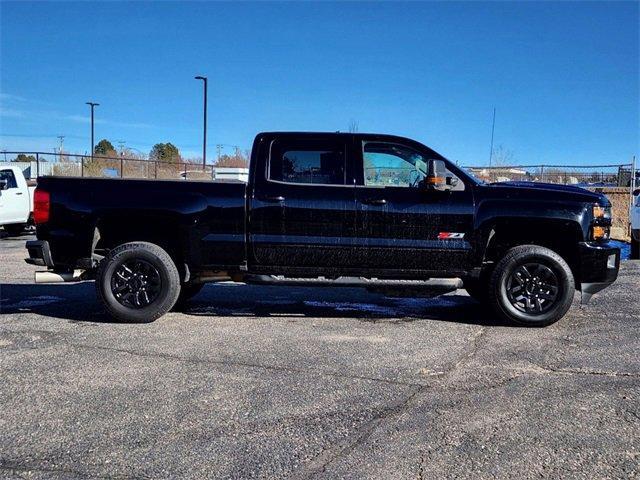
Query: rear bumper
x,y
599,264
39,253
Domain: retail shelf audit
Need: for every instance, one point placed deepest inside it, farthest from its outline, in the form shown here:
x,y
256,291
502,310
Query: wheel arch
x,y
110,231
560,236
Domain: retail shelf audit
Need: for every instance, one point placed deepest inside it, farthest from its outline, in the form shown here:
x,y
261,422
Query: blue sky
x,y
562,76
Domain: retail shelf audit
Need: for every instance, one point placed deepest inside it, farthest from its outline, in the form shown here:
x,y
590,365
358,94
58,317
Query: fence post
x,y
121,167
542,173
632,187
155,165
37,165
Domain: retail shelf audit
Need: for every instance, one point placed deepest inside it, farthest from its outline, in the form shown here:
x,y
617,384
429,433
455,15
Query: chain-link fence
x,y
35,164
618,175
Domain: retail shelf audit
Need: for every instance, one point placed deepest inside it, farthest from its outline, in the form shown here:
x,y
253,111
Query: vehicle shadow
x,y
77,303
26,235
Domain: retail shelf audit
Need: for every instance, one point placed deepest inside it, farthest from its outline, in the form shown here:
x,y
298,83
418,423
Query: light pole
x,y
204,138
92,105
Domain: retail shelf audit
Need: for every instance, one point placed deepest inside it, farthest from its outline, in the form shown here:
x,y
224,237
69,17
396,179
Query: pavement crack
x,y
583,371
343,448
470,352
17,469
227,363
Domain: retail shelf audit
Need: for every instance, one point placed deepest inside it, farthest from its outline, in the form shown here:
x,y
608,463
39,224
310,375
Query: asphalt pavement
x,y
274,382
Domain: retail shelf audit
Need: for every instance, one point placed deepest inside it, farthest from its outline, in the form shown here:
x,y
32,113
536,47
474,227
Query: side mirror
x,y
4,183
636,192
437,178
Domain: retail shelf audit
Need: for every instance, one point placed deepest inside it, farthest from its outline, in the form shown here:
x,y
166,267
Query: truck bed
x,y
189,216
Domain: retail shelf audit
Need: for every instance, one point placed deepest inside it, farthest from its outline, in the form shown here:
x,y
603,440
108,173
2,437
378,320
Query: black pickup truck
x,y
378,211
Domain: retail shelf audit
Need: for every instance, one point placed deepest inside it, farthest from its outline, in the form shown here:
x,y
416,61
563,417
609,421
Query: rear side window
x,y
312,162
9,177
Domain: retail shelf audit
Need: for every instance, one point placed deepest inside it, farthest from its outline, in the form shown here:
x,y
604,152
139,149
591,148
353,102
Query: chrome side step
x,y
431,286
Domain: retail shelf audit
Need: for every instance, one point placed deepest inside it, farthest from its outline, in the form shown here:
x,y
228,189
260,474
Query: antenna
x,y
493,126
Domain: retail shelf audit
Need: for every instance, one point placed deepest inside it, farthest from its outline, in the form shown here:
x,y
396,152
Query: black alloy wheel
x,y
532,288
136,283
531,285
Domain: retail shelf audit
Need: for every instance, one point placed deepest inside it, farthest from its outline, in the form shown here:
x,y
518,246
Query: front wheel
x,y
532,286
138,282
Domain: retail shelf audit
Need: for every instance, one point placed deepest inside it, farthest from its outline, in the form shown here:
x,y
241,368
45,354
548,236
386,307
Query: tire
x,y
537,298
144,295
635,249
187,291
14,229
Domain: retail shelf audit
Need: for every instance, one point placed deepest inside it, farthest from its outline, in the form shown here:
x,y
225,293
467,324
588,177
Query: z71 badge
x,y
450,236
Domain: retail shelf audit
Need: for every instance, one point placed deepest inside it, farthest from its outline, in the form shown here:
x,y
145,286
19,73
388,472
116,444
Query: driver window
x,y
391,165
394,165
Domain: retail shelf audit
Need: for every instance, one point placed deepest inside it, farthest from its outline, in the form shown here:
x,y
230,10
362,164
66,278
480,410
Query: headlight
x,y
601,212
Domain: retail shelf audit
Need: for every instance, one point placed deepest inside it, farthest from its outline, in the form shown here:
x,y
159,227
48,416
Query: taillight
x,y
41,206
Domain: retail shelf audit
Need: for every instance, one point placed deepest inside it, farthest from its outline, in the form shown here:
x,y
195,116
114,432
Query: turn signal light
x,y
41,206
600,233
434,180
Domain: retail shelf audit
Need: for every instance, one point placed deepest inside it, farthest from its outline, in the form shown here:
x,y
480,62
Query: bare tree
x,y
502,157
353,126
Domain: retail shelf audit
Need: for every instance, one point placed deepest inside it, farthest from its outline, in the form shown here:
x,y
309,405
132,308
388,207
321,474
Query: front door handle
x,y
274,198
374,201
18,193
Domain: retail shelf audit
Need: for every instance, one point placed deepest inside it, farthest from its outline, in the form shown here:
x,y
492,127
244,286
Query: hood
x,y
551,191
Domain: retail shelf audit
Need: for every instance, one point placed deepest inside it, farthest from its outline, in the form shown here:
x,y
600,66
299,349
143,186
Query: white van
x,y
16,199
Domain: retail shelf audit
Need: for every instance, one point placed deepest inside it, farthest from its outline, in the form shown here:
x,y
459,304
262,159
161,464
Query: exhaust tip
x,y
58,277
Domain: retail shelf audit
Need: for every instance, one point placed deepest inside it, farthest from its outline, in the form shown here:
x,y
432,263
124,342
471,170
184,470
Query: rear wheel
x,y
532,286
138,282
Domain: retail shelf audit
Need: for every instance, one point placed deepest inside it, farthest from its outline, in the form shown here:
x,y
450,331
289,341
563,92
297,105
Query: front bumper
x,y
39,253
598,267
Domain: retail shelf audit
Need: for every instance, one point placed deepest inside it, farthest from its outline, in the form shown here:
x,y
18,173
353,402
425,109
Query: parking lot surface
x,y
272,382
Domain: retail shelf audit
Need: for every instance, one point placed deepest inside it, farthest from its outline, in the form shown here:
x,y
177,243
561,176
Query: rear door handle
x,y
274,198
374,201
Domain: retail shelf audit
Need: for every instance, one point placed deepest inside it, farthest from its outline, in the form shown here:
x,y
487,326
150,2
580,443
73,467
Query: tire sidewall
x,y
559,267
170,286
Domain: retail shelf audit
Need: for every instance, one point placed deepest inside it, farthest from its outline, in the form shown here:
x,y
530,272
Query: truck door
x,y
404,226
14,201
302,206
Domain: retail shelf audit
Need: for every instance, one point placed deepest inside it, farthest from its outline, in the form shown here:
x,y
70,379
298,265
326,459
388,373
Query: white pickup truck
x,y
635,225
16,199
